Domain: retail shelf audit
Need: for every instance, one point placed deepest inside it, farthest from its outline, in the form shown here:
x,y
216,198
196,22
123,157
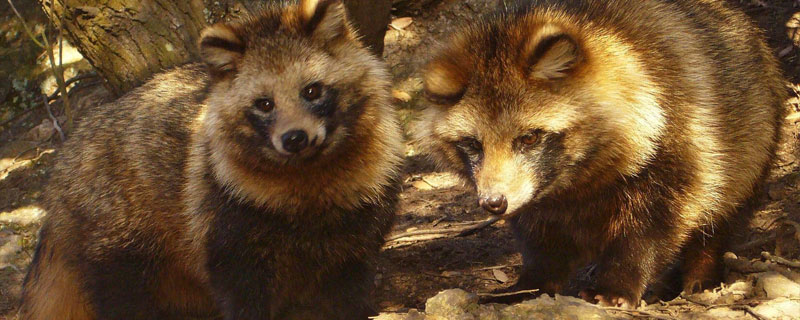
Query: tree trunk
x,y
127,41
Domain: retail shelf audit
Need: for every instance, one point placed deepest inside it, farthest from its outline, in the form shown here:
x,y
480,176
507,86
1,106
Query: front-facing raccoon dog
x,y
257,185
626,134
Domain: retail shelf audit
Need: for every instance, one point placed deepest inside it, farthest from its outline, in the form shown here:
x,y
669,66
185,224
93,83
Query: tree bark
x,y
127,41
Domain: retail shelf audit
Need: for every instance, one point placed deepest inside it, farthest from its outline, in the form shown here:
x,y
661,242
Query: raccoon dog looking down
x,y
256,185
625,134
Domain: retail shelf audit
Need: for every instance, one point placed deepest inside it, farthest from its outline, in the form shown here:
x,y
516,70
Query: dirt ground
x,y
414,268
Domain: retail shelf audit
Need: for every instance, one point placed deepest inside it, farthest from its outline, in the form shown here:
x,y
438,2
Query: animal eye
x,y
312,92
264,104
470,144
530,138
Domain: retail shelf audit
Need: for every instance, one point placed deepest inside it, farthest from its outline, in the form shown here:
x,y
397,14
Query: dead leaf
x,y
501,276
401,23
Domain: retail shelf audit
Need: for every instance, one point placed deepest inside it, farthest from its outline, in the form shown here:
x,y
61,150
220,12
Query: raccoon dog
x,y
256,185
624,134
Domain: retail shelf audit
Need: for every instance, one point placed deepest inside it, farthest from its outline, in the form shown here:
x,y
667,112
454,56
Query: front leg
x,y
341,294
627,266
549,258
241,284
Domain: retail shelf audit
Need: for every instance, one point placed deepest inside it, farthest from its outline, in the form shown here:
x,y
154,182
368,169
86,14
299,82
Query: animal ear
x,y
221,48
323,19
445,80
552,54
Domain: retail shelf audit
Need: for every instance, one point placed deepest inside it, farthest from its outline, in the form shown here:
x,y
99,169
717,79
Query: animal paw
x,y
607,300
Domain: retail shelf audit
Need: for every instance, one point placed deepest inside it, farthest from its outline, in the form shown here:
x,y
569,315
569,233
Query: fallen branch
x,y
698,302
72,80
744,306
484,224
780,260
507,294
639,313
461,231
755,243
749,310
500,267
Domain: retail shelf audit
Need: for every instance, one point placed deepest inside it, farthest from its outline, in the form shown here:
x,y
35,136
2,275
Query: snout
x,y
496,204
298,141
294,141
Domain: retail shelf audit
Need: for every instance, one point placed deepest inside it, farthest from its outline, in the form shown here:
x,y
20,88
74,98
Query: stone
x,y
453,304
779,309
457,304
774,285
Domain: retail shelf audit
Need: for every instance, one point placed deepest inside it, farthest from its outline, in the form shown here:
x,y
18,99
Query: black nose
x,y
495,204
294,141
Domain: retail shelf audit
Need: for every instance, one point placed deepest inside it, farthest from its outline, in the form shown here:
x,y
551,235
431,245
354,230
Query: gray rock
x,y
774,285
779,309
453,304
9,247
560,307
457,304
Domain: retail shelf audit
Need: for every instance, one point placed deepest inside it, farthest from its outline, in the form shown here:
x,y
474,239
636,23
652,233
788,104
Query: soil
x,y
411,269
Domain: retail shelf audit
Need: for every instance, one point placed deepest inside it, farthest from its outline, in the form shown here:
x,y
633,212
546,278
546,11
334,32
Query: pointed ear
x,y
221,48
324,20
552,54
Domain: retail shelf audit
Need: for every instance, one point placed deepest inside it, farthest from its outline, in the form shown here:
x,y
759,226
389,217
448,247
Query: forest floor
x,y
411,269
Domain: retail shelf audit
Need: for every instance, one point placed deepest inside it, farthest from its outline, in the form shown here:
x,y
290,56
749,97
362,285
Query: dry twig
x,y
755,243
639,313
744,306
507,294
749,310
72,80
53,118
500,266
25,25
461,231
58,71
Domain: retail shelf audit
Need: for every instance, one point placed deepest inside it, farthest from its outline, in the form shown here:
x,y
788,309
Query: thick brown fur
x,y
628,134
173,202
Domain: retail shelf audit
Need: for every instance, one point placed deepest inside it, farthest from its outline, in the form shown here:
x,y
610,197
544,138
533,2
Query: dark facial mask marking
x,y
326,105
262,124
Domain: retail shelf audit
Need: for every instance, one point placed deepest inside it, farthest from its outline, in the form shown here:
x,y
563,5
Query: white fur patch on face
x,y
506,173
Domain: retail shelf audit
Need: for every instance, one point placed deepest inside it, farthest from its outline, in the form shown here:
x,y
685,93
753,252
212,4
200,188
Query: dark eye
x,y
529,139
264,104
312,92
470,144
